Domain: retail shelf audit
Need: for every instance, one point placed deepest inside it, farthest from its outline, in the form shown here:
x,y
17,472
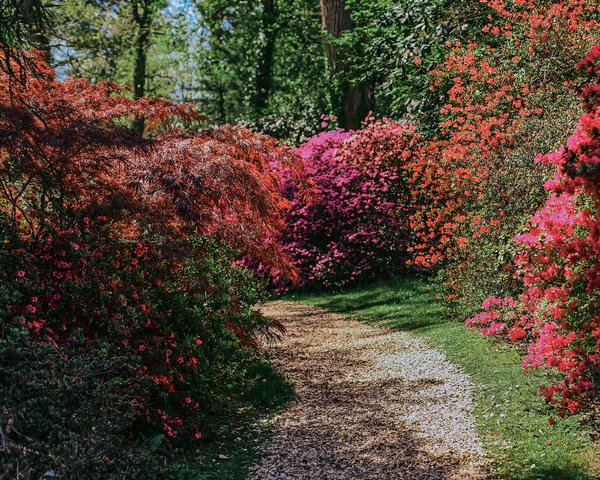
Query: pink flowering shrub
x,y
558,311
356,228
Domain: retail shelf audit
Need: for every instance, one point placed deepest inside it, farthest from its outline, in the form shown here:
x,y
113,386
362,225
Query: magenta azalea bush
x,y
356,227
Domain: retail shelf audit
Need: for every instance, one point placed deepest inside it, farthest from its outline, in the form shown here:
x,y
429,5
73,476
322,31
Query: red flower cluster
x,y
492,91
559,266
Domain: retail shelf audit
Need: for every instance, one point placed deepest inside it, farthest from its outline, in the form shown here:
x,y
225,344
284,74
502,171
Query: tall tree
x,y
107,39
354,97
263,64
264,69
142,12
260,62
93,40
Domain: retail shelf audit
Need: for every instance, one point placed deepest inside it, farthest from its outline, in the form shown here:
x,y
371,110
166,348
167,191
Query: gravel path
x,y
371,404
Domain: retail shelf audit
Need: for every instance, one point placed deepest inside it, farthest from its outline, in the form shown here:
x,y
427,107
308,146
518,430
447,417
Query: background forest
x,y
166,165
268,64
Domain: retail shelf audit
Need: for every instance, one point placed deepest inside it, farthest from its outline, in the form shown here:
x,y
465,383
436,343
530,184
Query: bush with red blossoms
x,y
506,94
124,320
356,227
558,263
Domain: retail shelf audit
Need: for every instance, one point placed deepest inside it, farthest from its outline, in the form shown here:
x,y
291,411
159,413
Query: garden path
x,y
371,404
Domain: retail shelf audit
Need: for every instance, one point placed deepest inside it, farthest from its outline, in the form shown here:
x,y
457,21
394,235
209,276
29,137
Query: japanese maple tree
x,y
113,240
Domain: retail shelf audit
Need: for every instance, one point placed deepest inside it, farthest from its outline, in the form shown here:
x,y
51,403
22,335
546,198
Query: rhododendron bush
x,y
357,226
558,263
117,270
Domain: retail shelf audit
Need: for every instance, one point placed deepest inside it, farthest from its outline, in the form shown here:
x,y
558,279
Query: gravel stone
x,y
371,404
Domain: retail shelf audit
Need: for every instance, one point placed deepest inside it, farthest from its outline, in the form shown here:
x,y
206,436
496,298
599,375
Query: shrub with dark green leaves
x,y
80,408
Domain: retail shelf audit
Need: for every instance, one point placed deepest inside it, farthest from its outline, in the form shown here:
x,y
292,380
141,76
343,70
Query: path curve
x,y
371,404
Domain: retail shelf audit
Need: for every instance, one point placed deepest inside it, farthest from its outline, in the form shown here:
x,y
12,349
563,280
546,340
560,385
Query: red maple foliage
x,y
98,226
62,134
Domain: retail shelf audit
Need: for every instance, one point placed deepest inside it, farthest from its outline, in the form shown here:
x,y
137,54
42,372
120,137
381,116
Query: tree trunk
x,y
355,99
335,19
141,16
221,104
264,72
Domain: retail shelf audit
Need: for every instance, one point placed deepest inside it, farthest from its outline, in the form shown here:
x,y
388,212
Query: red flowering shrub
x,y
356,229
109,251
505,101
558,264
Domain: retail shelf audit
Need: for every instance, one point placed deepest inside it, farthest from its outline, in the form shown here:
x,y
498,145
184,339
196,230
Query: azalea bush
x,y
510,93
356,228
505,100
125,320
103,397
558,266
